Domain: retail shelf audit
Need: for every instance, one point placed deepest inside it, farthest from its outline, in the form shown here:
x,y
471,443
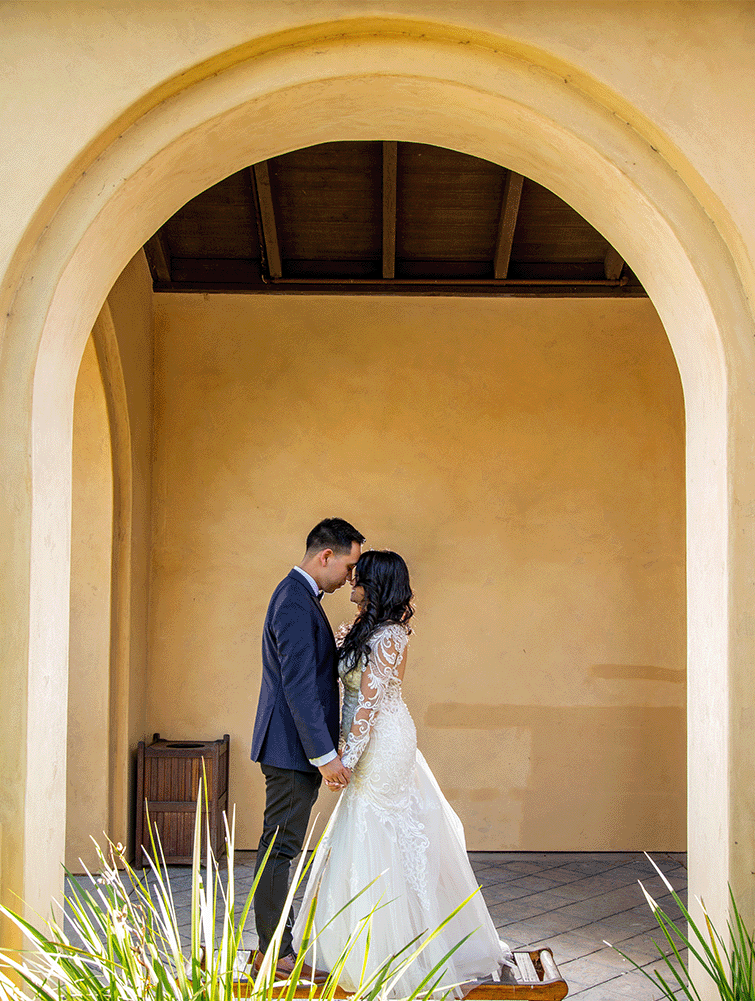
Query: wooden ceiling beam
x,y
512,193
390,170
159,257
427,273
324,215
529,289
613,264
266,221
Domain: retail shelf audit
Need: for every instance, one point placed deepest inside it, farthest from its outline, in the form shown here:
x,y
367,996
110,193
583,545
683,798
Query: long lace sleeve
x,y
377,673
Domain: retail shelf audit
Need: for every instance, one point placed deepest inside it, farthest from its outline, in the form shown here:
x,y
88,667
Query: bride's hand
x,y
335,774
340,786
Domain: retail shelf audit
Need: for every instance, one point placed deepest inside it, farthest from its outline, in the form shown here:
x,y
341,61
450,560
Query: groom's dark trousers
x,y
297,719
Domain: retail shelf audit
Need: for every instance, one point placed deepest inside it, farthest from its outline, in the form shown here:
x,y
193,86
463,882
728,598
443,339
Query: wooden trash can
x,y
168,777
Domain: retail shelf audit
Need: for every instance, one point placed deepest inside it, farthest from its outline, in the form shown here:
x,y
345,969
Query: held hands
x,y
335,774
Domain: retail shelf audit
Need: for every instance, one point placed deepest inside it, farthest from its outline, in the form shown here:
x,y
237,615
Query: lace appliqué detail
x,y
408,834
379,743
379,690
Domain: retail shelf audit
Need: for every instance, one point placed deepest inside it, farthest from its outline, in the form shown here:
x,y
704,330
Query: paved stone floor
x,y
574,903
570,902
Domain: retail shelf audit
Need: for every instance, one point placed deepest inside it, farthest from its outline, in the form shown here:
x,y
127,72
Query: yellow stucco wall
x,y
87,771
525,456
109,601
131,311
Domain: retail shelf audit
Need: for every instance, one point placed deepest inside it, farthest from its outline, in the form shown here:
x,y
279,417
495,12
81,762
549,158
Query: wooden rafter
x,y
221,279
613,264
158,256
335,212
266,218
390,167
512,193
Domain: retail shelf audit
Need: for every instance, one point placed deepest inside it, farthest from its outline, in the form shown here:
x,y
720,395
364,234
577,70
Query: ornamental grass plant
x,y
728,962
118,939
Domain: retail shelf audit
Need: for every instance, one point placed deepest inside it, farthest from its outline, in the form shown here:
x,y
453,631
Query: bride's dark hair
x,y
388,598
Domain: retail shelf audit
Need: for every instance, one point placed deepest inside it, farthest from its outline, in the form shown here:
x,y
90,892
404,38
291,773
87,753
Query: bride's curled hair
x,y
388,598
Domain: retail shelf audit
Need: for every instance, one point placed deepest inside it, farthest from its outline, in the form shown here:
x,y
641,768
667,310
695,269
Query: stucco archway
x,y
106,346
88,736
417,84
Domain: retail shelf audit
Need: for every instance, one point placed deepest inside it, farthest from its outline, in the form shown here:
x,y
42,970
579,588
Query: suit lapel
x,y
313,598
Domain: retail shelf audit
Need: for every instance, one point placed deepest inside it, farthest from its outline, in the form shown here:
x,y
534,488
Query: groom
x,y
296,729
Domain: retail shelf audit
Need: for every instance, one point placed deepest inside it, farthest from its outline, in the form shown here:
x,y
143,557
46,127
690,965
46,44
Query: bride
x,y
392,823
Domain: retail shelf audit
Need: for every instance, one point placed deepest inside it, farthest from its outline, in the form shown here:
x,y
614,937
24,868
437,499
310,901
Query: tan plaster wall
x,y
526,456
131,309
88,764
112,483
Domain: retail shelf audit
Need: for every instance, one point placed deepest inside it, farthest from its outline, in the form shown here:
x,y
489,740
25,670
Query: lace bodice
x,y
371,687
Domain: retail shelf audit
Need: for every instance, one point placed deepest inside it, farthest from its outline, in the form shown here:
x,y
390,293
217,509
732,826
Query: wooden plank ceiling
x,y
383,218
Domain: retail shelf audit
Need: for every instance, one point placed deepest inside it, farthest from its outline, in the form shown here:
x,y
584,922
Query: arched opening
x,y
525,456
487,105
88,738
107,559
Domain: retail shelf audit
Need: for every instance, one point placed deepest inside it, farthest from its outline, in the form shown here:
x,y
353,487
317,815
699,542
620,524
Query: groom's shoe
x,y
285,967
314,976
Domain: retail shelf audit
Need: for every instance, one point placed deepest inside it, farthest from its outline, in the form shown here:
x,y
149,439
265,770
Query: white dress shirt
x,y
310,580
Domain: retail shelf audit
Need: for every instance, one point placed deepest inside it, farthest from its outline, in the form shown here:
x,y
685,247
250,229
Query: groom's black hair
x,y
335,534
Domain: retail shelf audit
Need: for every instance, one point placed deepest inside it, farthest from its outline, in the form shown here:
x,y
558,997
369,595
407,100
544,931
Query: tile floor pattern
x,y
569,902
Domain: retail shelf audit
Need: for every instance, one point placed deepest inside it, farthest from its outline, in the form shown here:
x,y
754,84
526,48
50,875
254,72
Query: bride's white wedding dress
x,y
393,820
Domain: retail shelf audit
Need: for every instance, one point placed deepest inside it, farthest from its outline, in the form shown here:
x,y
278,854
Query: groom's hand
x,y
335,774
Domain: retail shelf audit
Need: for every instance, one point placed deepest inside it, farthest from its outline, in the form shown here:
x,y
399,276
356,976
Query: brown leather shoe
x,y
314,976
285,967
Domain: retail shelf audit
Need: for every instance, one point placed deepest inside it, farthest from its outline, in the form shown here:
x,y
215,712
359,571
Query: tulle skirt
x,y
409,841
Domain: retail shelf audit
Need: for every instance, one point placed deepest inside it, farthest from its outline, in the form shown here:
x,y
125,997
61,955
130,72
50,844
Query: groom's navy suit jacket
x,y
298,710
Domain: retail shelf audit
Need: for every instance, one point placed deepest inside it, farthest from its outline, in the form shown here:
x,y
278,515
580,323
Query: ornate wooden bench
x,y
537,979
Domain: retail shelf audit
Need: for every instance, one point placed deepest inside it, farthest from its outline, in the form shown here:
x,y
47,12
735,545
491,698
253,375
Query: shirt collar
x,y
310,580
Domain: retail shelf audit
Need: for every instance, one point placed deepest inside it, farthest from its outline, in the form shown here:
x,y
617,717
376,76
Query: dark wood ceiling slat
x,y
390,160
332,269
218,223
444,269
268,221
512,193
383,215
550,230
427,270
217,270
448,204
329,202
551,270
